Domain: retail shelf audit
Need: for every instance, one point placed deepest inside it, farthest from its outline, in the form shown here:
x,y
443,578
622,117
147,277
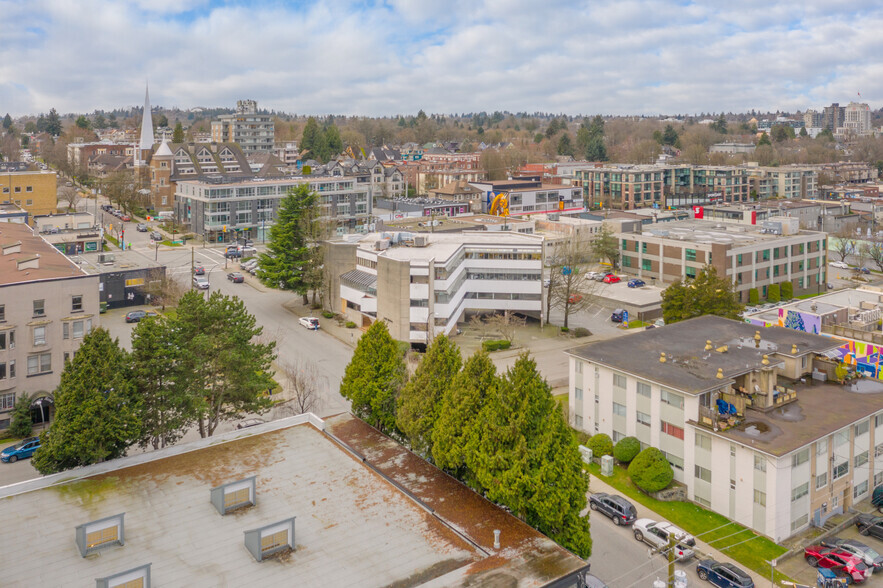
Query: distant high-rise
x,y
857,118
254,132
813,119
833,117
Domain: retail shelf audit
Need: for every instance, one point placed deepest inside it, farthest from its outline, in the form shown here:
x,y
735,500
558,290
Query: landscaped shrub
x,y
626,449
650,471
787,290
753,296
495,344
772,293
350,325
601,444
565,329
581,332
327,314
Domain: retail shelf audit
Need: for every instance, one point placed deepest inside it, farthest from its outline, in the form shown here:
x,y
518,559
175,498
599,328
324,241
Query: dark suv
x,y
616,507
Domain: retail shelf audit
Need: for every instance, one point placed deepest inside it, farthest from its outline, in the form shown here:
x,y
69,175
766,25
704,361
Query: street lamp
x,y
773,572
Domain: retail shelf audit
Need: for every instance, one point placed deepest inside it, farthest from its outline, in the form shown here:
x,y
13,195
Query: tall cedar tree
x,y
53,123
374,378
224,370
458,414
22,424
705,294
418,403
96,408
178,133
289,258
166,408
525,458
310,138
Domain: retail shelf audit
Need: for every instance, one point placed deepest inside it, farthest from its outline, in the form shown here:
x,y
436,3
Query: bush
x,y
21,417
350,325
581,332
601,444
626,449
565,329
495,344
787,290
772,293
650,471
404,347
327,314
753,296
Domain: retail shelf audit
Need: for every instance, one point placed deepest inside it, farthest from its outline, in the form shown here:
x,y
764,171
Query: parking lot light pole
x,y
773,572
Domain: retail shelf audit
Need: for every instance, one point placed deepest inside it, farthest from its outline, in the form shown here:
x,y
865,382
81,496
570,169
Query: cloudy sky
x,y
387,57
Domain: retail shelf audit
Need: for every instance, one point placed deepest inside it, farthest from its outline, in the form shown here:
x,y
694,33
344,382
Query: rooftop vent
x,y
31,262
10,248
271,539
234,495
100,534
139,576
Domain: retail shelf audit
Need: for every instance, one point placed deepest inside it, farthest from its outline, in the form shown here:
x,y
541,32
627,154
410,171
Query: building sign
x,y
131,283
698,212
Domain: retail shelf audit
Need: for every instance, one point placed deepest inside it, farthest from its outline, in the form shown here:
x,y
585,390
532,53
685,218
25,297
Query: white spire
x,y
147,138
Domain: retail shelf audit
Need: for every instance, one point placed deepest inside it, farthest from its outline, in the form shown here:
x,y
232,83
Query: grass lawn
x,y
112,239
732,539
636,324
168,243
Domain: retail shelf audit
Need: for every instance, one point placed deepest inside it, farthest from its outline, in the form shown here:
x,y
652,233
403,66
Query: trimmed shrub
x,y
350,325
650,471
787,290
327,314
626,449
753,296
495,344
565,329
772,293
581,332
601,444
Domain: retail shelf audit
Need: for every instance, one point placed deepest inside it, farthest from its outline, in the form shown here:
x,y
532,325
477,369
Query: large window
x,y
618,409
643,418
800,491
861,459
670,429
7,401
77,303
800,457
672,399
860,488
39,307
840,470
862,428
40,335
822,480
760,498
760,463
644,389
702,474
39,364
703,441
619,380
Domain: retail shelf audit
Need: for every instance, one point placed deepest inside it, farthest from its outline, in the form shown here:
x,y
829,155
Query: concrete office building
x,y
47,305
253,131
742,413
422,284
750,256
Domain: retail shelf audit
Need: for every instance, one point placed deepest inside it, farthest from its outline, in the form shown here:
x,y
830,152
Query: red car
x,y
611,279
841,562
574,298
125,218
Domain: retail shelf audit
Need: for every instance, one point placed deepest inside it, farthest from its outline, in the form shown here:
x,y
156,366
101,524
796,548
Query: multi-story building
x,y
750,256
422,284
440,159
813,119
253,131
850,172
71,233
817,215
743,414
856,119
526,196
47,305
789,181
222,209
81,155
426,181
833,117
34,191
767,125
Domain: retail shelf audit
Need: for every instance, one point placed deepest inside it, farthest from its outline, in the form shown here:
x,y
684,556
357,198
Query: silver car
x,y
657,535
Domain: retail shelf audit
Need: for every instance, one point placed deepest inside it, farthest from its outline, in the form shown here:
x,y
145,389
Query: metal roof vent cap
x,y
720,374
708,345
765,360
662,357
794,349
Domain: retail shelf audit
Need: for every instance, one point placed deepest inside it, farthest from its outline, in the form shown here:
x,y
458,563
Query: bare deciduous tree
x,y
70,195
570,287
844,241
302,386
166,292
505,323
874,251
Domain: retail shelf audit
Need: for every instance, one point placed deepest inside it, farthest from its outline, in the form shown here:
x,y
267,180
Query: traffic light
x,y
225,228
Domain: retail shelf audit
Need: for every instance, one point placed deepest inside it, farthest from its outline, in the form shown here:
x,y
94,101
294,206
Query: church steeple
x,y
147,138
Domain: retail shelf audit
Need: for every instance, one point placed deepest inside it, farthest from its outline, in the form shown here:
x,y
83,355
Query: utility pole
x,y
671,559
192,259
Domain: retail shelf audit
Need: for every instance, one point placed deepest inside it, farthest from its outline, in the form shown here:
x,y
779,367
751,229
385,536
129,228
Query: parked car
x,y
21,450
247,251
840,264
125,218
156,236
599,277
233,254
659,323
236,277
574,298
617,315
611,279
249,423
871,558
620,510
724,575
636,283
247,265
201,282
840,562
656,535
864,270
135,316
593,275
198,270
309,322
868,524
141,228
253,270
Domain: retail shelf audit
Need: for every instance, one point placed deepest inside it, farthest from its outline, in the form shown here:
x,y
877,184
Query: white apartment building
x,y
255,132
421,284
856,119
787,448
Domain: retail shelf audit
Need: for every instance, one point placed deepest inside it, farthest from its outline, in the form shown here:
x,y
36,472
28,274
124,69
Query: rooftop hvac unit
x,y
381,245
421,240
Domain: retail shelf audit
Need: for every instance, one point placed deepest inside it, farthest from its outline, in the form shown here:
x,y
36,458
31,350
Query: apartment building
x,y
743,415
422,284
856,119
833,116
527,196
34,191
789,181
47,305
751,256
222,209
253,131
80,155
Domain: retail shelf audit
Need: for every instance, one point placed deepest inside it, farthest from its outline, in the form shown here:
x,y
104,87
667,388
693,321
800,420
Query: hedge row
x,y
495,344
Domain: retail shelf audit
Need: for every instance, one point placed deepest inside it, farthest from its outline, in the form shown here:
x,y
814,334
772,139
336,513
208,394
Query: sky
x,y
389,57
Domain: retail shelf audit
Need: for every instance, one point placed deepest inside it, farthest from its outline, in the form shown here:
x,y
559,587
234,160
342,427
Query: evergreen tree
x,y
565,146
525,458
803,132
287,262
720,125
7,122
22,424
418,404
582,138
310,138
374,377
458,412
605,245
333,142
166,409
764,140
705,294
595,148
178,133
223,370
160,121
83,122
52,123
99,121
669,135
96,408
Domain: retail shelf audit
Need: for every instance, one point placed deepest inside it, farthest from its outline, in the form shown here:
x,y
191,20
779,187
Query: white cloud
x,y
349,57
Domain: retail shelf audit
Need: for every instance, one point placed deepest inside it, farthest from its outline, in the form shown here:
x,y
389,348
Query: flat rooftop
x,y
443,245
128,260
715,231
353,527
824,304
688,367
52,263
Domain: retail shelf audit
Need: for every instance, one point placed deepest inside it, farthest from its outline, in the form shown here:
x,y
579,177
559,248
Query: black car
x,y
871,558
135,316
156,236
868,524
725,575
616,507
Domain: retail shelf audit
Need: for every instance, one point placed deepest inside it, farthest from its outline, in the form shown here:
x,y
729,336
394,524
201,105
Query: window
x,y
675,461
7,401
671,398
840,438
799,521
800,491
65,330
78,329
578,367
670,429
862,428
878,450
643,418
702,474
840,470
861,459
703,441
822,480
39,307
643,389
39,336
578,421
732,484
39,364
822,447
878,479
618,409
2,340
732,451
760,463
760,498
690,254
859,489
101,533
77,303
646,265
799,458
878,419
619,380
617,436
2,313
